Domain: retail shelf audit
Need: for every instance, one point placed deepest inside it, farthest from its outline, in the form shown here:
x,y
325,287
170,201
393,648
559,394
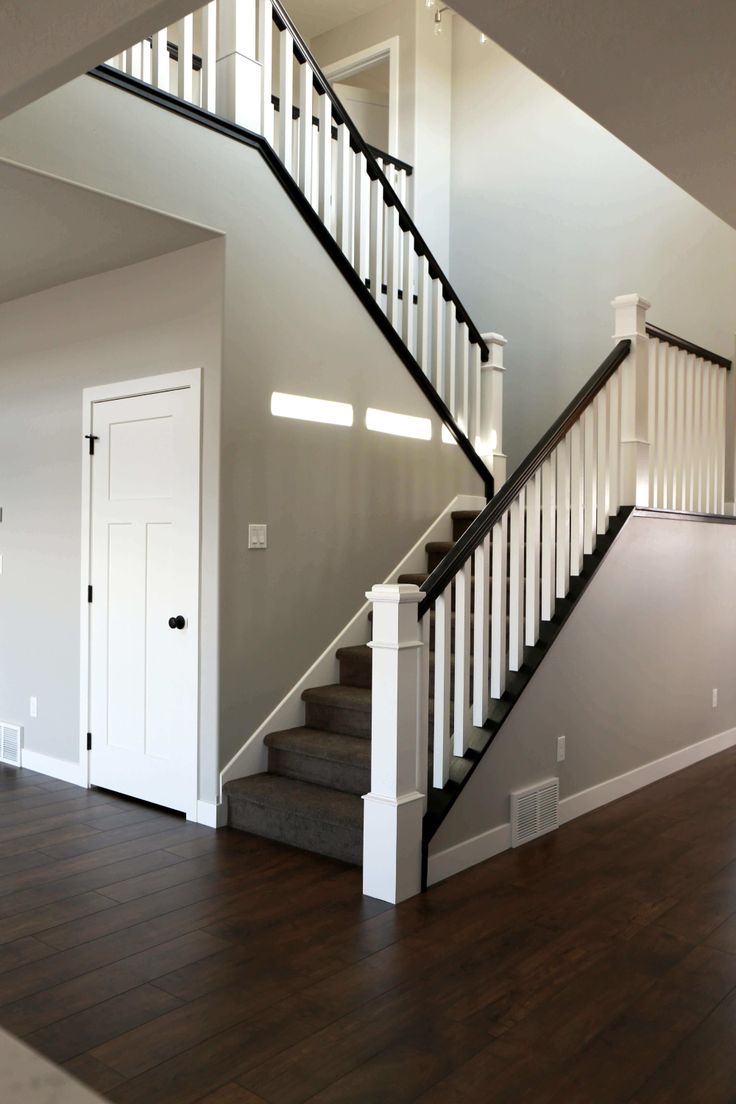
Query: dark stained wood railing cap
x,y
688,346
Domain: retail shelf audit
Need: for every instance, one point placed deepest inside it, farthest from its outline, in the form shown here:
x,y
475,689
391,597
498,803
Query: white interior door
x,y
144,623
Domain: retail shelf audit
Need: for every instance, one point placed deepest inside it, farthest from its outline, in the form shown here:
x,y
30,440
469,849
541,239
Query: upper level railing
x,y
649,429
257,71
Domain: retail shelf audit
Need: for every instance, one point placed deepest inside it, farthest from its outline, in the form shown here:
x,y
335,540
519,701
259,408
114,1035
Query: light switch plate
x,y
257,536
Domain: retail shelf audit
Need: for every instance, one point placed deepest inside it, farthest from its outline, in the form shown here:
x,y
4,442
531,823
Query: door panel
x,y
145,570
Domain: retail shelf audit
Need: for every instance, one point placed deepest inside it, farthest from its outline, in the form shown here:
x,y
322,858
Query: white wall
x,y
551,217
342,505
629,679
159,316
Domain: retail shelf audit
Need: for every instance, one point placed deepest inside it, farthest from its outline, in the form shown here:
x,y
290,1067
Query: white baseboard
x,y
469,852
212,815
62,769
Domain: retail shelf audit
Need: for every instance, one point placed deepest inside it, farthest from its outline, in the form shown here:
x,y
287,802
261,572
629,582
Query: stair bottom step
x,y
300,814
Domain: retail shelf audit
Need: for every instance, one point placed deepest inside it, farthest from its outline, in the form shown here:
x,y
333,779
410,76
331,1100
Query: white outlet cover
x,y
34,707
561,750
715,699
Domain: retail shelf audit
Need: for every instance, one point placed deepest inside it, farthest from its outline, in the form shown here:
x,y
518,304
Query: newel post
x,y
491,405
238,73
393,810
631,320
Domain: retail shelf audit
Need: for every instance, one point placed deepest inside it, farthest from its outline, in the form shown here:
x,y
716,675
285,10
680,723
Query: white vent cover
x,y
535,812
11,740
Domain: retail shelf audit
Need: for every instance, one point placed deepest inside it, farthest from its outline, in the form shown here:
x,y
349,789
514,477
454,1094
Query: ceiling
x,y
52,232
659,75
314,17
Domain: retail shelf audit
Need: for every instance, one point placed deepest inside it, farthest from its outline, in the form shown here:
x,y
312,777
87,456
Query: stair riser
x,y
356,672
322,772
336,842
330,718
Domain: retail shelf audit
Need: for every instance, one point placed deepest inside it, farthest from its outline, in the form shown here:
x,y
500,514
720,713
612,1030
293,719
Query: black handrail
x,y
296,114
473,537
688,346
357,143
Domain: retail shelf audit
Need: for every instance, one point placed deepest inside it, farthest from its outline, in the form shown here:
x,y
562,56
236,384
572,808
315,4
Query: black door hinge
x,y
89,593
89,741
91,438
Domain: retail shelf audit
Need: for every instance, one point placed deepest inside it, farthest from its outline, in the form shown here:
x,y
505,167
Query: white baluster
x,y
265,57
462,658
408,308
517,519
208,73
450,358
499,584
134,61
577,498
476,424
481,612
286,98
376,240
613,401
344,214
680,431
562,583
184,70
394,808
325,160
660,434
424,315
442,670
437,374
462,374
533,556
601,435
671,427
699,438
393,231
591,481
549,507
722,438
306,130
160,61
362,217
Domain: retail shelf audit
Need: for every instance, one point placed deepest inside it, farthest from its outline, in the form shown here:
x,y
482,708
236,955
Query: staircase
x,y
311,795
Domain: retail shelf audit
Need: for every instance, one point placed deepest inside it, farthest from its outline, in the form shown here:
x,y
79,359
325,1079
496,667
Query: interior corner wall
x,y
628,681
551,217
158,316
425,101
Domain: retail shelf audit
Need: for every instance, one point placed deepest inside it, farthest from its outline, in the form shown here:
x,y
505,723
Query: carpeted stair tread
x,y
416,578
301,814
335,747
357,698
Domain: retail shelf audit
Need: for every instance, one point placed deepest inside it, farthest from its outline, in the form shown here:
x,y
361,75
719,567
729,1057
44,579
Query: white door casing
x,y
140,684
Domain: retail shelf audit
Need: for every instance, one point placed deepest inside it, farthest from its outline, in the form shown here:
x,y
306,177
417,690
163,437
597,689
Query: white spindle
x,y
424,315
476,373
688,439
462,658
393,231
577,499
423,704
481,611
408,309
265,57
562,584
602,462
591,482
442,671
722,437
680,430
325,160
362,217
286,98
306,129
549,507
134,60
613,400
376,240
344,216
516,581
499,584
462,375
450,358
533,556
185,71
660,435
671,495
436,373
160,61
700,439
208,73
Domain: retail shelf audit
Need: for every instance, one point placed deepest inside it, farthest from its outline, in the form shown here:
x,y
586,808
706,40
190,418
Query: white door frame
x,y
364,59
190,378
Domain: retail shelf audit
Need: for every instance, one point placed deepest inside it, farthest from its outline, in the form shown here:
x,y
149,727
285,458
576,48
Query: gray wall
x,y
630,677
342,505
551,217
159,316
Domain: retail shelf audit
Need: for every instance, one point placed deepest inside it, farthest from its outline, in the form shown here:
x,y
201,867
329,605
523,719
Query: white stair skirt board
x,y
289,713
463,855
62,769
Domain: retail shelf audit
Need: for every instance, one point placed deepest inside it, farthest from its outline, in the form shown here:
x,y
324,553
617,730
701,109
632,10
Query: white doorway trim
x,y
364,59
191,379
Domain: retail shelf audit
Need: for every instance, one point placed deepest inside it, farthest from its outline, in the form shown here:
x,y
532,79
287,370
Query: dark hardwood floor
x,y
164,963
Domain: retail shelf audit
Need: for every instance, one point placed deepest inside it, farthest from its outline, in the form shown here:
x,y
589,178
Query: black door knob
x,y
177,622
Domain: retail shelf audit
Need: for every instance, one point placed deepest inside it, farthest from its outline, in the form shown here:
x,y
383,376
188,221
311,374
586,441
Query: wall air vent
x,y
11,740
535,812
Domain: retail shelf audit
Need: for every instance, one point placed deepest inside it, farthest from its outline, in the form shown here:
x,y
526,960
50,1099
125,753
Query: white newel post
x,y
631,320
491,405
238,72
393,810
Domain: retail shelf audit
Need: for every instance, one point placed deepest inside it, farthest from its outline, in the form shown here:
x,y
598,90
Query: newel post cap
x,y
495,343
395,594
630,315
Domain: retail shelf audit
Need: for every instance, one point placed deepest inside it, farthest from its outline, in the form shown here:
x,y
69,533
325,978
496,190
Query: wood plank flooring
x,y
163,963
